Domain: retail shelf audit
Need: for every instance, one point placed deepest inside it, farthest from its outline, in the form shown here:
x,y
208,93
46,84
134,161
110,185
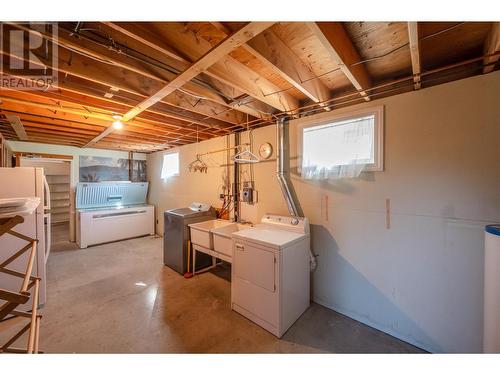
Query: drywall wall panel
x,y
420,279
180,191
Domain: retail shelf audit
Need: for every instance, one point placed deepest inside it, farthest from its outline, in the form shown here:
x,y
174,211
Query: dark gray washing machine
x,y
176,235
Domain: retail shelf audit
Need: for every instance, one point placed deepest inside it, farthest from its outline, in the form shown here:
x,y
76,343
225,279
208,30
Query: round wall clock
x,y
265,150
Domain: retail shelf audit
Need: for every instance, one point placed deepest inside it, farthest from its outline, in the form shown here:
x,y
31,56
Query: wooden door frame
x,y
19,155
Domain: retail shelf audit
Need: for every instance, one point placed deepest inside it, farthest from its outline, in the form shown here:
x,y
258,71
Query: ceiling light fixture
x,y
117,124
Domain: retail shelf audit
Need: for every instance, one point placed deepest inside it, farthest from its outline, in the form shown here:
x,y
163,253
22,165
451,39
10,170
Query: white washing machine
x,y
270,272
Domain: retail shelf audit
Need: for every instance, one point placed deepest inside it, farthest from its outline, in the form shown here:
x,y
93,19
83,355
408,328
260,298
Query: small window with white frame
x,y
341,146
170,165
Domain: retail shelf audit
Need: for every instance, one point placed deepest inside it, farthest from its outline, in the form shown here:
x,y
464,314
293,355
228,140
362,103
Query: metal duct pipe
x,y
281,171
282,160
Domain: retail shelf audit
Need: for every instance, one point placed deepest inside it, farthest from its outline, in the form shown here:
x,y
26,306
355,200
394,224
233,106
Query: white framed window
x,y
170,165
341,145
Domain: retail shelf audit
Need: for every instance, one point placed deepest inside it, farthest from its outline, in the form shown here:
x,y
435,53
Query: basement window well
x,y
341,146
170,165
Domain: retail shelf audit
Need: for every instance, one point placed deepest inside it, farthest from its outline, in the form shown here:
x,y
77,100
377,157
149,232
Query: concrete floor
x,y
119,298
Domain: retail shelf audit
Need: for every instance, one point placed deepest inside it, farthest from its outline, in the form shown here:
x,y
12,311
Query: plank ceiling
x,y
176,83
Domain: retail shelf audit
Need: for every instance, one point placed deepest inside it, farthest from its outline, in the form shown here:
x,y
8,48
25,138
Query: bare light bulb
x,y
117,124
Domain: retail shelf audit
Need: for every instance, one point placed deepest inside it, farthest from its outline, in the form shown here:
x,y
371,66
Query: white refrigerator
x,y
18,183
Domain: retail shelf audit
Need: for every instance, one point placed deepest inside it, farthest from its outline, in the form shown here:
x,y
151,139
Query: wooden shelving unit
x,y
10,300
59,184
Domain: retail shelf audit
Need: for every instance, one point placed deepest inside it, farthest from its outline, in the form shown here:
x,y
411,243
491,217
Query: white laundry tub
x,y
222,238
201,232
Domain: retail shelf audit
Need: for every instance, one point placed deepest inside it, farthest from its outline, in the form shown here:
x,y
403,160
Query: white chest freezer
x,y
108,212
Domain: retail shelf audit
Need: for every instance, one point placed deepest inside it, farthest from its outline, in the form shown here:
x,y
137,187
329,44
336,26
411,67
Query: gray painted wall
x,y
422,279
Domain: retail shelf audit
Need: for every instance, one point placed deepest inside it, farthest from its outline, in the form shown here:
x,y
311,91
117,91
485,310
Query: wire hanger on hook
x,y
198,165
246,156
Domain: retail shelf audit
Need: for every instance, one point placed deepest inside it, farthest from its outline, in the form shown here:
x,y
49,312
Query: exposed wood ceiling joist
x,y
108,77
98,64
413,38
71,115
210,58
108,68
270,50
206,61
139,34
33,111
135,130
18,127
335,40
228,70
171,120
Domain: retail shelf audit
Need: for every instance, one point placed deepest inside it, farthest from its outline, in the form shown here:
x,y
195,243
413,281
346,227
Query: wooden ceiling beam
x,y
35,116
207,60
130,145
413,38
113,72
270,50
101,54
137,33
229,71
48,140
233,73
55,108
65,129
84,133
211,57
198,89
336,41
80,99
61,138
104,118
219,114
56,132
149,39
17,126
34,113
492,45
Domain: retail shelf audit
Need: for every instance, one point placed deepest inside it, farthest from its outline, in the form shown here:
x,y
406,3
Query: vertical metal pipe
x,y
282,160
281,170
236,184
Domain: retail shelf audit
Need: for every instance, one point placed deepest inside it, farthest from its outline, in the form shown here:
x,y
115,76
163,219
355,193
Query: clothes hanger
x,y
198,165
246,156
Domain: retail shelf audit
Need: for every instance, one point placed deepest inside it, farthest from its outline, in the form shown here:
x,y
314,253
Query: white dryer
x,y
270,272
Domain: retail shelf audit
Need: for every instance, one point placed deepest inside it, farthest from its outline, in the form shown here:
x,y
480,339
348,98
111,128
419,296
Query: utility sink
x,y
201,232
222,237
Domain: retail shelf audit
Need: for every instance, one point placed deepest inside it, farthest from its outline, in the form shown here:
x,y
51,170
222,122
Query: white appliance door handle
x,y
47,193
48,224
